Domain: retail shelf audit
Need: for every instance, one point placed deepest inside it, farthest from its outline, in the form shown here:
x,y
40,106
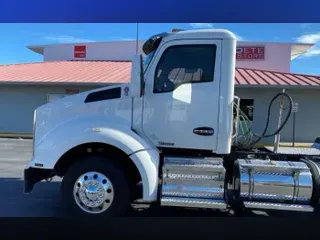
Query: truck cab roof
x,y
154,40
201,33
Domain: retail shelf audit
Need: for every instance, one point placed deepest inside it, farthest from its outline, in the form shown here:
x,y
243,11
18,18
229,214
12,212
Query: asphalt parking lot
x,y
44,200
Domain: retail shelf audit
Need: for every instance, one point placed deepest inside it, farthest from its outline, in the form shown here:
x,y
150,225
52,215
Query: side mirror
x,y
137,80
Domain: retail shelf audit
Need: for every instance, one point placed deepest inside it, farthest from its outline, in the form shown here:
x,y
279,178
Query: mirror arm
x,y
141,78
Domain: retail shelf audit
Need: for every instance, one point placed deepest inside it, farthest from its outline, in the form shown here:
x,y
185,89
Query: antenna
x,y
137,38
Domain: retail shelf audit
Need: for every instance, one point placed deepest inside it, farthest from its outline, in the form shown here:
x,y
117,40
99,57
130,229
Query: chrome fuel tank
x,y
274,181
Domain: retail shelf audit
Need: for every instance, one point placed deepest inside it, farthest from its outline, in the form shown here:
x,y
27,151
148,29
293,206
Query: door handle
x,y
203,131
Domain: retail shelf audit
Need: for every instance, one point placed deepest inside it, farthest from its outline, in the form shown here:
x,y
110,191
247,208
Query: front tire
x,y
95,186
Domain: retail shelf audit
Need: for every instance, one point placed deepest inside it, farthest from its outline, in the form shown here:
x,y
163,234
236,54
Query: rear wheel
x,y
94,186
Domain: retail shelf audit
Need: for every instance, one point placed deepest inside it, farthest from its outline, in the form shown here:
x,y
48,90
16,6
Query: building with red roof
x,y
262,70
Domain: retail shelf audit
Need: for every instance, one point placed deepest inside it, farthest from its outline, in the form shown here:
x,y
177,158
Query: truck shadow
x,y
45,201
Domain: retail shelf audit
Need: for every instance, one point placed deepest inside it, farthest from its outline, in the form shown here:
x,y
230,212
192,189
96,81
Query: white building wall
x,y
117,51
277,55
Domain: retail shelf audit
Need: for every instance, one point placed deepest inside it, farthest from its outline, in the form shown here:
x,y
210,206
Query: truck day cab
x,y
172,129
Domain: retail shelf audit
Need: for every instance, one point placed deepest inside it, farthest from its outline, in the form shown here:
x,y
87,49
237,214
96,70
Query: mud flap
x,y
34,175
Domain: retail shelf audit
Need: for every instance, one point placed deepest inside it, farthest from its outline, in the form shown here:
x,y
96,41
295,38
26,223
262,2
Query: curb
x,y
16,135
299,145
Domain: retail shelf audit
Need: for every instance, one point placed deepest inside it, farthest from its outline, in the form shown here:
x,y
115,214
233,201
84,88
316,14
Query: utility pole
x,y
137,38
277,137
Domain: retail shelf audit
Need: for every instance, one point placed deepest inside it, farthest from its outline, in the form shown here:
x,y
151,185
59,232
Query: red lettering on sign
x,y
80,51
250,52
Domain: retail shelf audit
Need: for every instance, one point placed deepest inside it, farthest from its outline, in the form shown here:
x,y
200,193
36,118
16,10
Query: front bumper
x,y
34,175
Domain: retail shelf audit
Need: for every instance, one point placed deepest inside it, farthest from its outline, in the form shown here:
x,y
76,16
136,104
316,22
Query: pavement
x,y
44,200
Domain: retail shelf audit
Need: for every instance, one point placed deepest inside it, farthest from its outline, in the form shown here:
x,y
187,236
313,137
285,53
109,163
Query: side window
x,y
184,64
246,105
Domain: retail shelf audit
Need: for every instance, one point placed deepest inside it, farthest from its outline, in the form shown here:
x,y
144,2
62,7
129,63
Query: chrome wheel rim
x,y
93,192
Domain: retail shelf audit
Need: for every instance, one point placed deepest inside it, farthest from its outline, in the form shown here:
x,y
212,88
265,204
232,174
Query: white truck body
x,y
170,117
160,128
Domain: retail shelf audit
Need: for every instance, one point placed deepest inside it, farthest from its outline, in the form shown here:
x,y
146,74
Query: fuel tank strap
x,y
315,170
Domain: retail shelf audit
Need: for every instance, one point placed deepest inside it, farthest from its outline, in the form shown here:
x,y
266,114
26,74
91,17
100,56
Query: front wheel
x,y
94,186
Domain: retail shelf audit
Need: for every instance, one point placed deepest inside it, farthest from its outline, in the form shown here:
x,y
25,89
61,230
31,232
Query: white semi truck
x,y
175,130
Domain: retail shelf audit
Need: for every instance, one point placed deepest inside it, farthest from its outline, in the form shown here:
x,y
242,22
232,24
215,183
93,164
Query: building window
x,y
184,64
246,105
53,97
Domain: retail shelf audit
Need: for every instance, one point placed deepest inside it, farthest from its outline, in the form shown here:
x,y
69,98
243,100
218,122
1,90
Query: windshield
x,y
148,59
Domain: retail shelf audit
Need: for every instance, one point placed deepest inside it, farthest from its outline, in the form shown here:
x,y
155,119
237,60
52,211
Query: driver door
x,y
181,98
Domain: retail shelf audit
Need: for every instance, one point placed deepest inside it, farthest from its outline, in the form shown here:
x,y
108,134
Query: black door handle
x,y
203,131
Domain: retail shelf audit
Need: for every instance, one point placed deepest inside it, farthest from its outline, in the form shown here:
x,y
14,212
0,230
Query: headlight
x,y
34,130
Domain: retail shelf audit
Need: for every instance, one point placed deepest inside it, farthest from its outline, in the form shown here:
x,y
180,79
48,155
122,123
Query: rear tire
x,y
94,186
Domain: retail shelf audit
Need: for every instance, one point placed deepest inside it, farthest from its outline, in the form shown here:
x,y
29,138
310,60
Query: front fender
x,y
51,147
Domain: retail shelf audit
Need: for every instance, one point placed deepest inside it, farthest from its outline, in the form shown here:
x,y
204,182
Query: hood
x,y
101,101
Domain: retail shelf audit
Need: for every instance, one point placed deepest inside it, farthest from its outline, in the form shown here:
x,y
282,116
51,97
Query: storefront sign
x,y
80,51
250,52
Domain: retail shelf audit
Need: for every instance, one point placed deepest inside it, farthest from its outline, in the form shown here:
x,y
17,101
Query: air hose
x,y
264,135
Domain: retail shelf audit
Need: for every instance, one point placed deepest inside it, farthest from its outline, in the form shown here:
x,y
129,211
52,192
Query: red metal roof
x,y
67,72
271,78
103,72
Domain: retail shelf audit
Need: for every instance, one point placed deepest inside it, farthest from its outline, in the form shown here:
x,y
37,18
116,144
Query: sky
x,y
15,37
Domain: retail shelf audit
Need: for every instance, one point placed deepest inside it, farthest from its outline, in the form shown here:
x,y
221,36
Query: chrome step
x,y
278,206
193,163
176,168
193,182
192,191
204,177
193,203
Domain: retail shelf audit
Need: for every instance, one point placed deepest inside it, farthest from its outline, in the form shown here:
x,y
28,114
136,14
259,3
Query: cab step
x,y
278,206
193,203
193,182
193,192
180,163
